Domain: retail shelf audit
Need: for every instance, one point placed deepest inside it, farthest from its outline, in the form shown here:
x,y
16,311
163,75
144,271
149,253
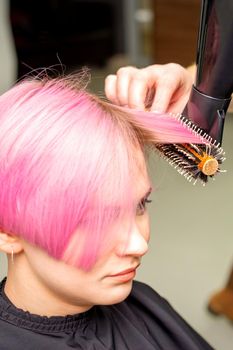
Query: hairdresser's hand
x,y
163,88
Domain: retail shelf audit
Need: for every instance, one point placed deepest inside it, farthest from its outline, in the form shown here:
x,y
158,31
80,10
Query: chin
x,y
118,293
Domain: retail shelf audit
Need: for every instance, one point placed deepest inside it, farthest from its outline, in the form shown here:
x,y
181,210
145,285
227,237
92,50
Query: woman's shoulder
x,y
156,319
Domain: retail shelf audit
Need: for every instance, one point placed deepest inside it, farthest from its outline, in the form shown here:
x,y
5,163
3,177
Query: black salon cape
x,y
144,321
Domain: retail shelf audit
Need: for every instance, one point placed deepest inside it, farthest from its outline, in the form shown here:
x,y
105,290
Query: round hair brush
x,y
196,161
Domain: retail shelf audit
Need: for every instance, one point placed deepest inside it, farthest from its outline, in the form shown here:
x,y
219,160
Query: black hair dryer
x,y
211,93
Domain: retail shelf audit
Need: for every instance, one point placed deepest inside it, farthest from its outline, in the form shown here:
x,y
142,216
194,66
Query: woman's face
x,y
110,280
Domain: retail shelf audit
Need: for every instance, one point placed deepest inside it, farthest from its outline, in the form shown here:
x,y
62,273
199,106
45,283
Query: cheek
x,y
74,249
48,272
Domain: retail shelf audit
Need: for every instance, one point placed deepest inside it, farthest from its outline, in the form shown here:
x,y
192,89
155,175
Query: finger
x,y
180,97
124,76
110,88
141,90
163,95
178,105
149,98
172,82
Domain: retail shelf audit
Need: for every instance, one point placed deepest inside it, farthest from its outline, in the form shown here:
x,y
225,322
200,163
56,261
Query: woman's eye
x,y
141,208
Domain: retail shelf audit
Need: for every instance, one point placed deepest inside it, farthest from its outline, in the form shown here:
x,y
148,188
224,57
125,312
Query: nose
x,y
136,243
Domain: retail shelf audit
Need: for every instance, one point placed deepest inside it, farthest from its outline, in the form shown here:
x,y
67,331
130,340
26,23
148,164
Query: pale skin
x,y
162,88
44,286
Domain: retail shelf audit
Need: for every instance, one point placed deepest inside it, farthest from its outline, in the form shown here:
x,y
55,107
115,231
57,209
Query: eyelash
x,y
141,208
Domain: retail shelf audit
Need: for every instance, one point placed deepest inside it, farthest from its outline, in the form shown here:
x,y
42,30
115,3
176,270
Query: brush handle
x,y
211,94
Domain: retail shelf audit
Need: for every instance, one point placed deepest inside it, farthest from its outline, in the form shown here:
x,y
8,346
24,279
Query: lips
x,y
125,272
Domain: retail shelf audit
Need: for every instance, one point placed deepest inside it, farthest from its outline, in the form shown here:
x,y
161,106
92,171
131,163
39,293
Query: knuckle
x,y
109,78
175,66
125,70
166,81
140,77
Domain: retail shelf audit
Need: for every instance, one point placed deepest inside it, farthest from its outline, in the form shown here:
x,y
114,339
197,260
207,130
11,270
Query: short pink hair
x,y
66,163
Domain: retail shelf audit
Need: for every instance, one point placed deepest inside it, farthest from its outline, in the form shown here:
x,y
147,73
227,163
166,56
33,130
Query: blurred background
x,y
190,253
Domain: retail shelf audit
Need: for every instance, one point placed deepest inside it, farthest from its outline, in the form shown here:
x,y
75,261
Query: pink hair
x,y
66,164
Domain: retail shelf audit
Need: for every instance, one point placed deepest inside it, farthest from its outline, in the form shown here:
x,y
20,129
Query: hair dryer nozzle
x,y
207,112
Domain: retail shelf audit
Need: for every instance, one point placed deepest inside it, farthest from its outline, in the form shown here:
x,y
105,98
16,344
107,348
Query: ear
x,y
9,243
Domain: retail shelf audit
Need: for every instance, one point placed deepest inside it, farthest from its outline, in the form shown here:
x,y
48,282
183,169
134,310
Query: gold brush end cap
x,y
210,166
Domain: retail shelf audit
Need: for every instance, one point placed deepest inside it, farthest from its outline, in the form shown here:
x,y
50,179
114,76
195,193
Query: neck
x,y
30,294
